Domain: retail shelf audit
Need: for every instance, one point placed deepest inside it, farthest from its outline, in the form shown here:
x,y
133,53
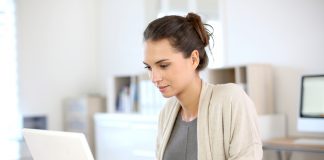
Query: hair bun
x,y
195,20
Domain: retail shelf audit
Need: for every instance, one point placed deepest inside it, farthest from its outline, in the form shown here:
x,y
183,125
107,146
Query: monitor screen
x,y
312,99
311,112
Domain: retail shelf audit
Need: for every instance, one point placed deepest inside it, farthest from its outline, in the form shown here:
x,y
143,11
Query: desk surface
x,y
289,144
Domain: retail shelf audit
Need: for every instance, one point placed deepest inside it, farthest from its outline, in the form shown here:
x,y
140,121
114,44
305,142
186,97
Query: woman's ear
x,y
195,58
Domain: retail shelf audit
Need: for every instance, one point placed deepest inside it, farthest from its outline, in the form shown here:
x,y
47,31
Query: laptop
x,y
57,145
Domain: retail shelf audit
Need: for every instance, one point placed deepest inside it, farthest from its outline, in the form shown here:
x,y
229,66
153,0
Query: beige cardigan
x,y
227,124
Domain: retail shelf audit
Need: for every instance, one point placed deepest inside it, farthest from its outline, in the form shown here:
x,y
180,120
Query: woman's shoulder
x,y
228,89
229,93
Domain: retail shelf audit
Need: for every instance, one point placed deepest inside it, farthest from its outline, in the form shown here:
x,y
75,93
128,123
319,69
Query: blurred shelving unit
x,y
135,94
79,115
255,79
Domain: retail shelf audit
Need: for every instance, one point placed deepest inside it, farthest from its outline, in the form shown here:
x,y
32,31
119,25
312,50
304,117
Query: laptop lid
x,y
57,145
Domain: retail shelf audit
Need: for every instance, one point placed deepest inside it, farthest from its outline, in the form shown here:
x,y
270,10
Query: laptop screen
x,y
56,145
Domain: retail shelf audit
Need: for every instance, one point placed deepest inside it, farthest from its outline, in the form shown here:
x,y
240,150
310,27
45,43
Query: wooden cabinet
x,y
255,79
79,115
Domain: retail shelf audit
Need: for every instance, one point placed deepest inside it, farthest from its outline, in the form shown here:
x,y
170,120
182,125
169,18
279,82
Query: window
x,y
10,121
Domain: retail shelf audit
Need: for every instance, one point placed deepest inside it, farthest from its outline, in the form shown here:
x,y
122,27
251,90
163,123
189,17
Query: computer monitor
x,y
311,111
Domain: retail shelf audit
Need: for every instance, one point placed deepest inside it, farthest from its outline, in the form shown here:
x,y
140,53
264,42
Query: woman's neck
x,y
189,100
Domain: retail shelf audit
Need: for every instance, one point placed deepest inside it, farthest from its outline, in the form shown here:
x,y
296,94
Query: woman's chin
x,y
165,95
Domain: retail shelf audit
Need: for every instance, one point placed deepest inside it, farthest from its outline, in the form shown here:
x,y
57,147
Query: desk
x,y
288,145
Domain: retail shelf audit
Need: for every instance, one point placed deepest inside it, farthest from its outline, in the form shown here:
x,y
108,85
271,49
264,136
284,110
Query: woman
x,y
200,121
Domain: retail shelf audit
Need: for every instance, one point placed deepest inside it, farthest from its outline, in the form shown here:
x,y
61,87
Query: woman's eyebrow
x,y
160,61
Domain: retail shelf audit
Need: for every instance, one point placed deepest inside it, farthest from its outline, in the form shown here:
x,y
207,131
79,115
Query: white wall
x,y
121,40
285,33
72,47
57,54
121,36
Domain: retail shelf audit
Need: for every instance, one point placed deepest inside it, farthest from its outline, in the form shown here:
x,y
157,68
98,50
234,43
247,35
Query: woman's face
x,y
167,67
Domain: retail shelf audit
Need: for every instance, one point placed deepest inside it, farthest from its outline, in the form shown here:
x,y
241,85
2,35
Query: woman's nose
x,y
155,76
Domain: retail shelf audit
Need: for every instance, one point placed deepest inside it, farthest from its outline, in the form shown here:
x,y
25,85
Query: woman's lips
x,y
163,88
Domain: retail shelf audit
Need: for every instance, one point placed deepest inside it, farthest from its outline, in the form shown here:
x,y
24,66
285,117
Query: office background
x,y
70,48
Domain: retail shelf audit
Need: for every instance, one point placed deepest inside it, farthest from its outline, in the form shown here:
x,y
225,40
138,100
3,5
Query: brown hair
x,y
184,34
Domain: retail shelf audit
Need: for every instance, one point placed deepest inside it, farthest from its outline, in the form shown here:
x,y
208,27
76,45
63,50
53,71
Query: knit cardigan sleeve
x,y
243,138
167,117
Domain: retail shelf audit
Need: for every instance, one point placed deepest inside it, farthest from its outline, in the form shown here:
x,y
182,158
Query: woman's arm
x,y
245,140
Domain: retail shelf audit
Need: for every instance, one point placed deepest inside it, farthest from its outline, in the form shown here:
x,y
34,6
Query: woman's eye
x,y
147,67
164,65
